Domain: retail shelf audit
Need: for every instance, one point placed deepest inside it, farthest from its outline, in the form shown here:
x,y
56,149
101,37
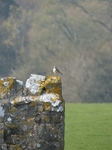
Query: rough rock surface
x,y
31,118
34,85
10,87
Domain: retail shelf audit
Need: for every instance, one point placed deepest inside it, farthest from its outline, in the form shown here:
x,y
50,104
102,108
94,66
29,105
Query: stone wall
x,y
31,115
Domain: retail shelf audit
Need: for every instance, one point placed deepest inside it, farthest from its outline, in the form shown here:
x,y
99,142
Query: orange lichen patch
x,y
1,86
16,100
6,84
58,79
52,79
55,98
53,85
47,105
57,90
41,83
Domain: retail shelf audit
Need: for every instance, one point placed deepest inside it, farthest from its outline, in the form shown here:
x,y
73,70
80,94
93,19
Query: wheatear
x,y
56,71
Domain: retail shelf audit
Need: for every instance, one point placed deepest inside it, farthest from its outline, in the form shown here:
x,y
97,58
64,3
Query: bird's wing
x,y
59,71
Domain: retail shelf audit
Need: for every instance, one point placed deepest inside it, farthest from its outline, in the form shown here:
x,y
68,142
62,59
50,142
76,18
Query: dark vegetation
x,y
75,35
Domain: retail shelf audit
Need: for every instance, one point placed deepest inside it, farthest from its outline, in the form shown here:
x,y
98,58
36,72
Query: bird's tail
x,y
60,72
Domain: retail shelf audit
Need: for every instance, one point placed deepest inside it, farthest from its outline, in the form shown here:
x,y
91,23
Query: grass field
x,y
88,126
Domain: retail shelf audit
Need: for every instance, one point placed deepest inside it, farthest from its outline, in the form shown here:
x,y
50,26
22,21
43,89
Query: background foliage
x,y
74,35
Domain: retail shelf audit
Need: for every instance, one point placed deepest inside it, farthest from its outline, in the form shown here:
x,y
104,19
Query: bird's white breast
x,y
54,70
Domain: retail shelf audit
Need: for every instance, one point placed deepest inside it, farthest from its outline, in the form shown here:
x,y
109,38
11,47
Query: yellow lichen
x,y
41,83
32,104
12,126
62,100
1,131
53,85
39,99
28,134
35,114
41,109
57,90
15,101
16,147
47,126
5,89
41,86
18,117
13,110
47,105
21,122
58,79
1,86
29,120
33,98
20,137
59,139
27,123
55,98
47,119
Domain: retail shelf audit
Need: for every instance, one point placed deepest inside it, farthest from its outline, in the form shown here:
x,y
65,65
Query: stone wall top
x,y
37,86
31,115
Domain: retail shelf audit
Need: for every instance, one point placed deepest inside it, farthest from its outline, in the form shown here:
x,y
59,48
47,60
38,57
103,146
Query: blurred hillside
x,y
74,35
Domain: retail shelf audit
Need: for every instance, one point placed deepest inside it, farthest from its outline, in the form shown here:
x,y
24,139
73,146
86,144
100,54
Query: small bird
x,y
56,71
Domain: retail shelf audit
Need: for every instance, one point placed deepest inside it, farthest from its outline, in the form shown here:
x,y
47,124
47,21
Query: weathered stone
x,y
33,121
10,87
56,117
55,146
1,133
14,147
46,117
1,119
42,145
34,85
3,146
53,85
1,112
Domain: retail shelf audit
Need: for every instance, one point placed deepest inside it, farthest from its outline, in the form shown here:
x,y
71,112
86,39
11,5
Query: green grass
x,y
88,127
